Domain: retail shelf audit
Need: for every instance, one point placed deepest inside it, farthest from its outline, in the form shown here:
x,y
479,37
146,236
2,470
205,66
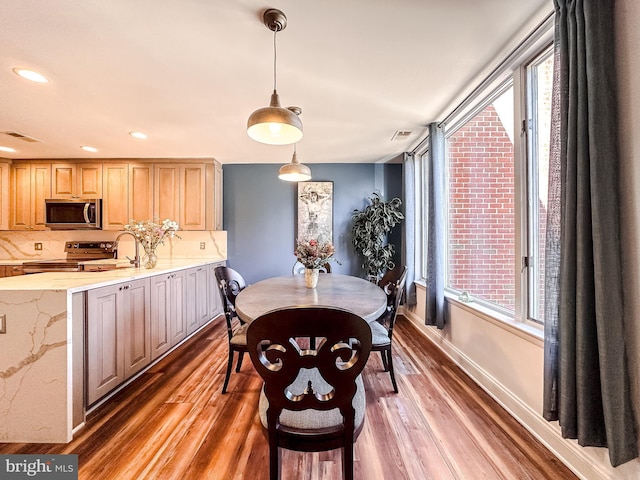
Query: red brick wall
x,y
481,210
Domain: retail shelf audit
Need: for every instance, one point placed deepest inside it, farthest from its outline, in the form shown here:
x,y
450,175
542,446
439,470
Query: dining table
x,y
354,294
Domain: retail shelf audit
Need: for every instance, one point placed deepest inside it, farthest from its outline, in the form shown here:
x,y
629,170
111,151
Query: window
x,y
539,75
481,217
496,164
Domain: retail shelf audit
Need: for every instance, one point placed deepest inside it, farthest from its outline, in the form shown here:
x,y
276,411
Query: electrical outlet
x,y
202,245
37,246
3,323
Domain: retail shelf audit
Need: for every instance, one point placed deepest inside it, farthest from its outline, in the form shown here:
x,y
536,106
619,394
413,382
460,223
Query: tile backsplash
x,y
16,245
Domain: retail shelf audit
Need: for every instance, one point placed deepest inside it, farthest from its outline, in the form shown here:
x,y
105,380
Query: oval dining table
x,y
354,294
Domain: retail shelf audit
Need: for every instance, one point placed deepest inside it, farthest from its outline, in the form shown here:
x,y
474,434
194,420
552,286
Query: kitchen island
x,y
46,322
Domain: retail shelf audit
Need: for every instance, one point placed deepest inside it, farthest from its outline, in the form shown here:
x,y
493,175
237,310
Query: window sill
x,y
531,333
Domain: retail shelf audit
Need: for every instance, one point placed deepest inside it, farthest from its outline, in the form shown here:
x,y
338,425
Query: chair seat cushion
x,y
314,419
240,335
379,334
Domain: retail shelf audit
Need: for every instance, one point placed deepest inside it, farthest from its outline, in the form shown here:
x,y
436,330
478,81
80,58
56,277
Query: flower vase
x,y
311,277
149,259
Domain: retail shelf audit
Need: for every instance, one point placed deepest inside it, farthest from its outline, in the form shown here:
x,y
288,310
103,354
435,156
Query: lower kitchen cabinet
x,y
168,320
213,294
131,324
118,335
197,307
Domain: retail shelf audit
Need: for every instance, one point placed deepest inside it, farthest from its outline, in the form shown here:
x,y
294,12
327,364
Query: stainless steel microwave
x,y
73,214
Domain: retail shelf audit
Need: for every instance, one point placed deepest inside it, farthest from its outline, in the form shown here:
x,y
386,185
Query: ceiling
x,y
188,73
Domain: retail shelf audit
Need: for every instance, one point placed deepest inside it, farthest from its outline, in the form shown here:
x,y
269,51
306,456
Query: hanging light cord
x,y
275,56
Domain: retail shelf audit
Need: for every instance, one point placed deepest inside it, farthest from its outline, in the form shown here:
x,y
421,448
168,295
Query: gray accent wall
x,y
260,213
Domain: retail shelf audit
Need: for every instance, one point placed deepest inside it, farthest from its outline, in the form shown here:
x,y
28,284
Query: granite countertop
x,y
80,281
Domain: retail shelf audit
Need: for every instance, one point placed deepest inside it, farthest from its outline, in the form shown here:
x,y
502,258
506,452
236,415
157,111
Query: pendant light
x,y
294,171
274,125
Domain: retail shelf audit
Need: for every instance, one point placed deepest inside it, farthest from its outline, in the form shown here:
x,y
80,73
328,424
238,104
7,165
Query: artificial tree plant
x,y
369,232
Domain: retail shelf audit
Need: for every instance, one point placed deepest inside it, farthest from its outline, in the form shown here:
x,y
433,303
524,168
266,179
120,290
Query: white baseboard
x,y
568,452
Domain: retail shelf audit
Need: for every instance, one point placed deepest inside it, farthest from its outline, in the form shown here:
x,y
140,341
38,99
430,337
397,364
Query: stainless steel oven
x,y
77,252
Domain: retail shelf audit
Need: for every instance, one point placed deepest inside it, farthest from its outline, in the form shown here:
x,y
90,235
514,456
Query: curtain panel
x,y
587,386
409,238
435,251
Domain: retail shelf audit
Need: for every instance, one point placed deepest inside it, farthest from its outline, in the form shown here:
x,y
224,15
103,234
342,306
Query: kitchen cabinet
x,y
115,202
179,194
4,194
168,321
196,303
30,186
118,335
217,196
214,299
141,191
76,180
128,194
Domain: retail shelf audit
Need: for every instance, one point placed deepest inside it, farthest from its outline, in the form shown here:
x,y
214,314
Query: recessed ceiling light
x,y
7,149
31,75
89,149
139,135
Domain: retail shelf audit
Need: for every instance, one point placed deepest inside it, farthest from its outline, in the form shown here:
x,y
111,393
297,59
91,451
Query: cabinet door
x,y
202,298
166,195
214,300
140,191
21,197
4,196
160,315
89,180
40,190
192,197
63,180
105,359
178,307
217,197
137,323
191,300
115,203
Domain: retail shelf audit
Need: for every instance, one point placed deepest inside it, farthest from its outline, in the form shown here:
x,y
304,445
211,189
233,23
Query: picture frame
x,y
315,211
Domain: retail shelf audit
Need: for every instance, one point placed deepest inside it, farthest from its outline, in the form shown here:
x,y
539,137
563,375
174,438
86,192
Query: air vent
x,y
401,134
21,136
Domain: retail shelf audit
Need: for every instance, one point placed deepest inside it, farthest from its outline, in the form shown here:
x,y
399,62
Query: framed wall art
x,y
315,210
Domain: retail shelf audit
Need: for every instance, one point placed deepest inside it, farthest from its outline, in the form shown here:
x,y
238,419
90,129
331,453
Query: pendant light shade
x,y
274,125
294,171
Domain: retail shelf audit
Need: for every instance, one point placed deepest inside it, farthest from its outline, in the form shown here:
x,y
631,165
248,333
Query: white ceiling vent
x,y
401,134
21,136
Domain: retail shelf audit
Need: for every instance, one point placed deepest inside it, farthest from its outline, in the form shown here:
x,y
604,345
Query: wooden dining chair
x,y
311,400
382,328
298,268
230,284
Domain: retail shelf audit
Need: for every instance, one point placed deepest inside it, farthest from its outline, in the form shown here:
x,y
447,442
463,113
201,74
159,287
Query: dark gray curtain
x,y
409,237
435,164
586,376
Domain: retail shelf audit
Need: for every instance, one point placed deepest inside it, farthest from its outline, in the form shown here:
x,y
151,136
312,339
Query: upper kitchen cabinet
x,y
76,180
181,194
30,186
4,195
115,203
128,194
217,197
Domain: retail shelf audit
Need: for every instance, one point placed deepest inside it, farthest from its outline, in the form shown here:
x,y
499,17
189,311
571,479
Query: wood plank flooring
x,y
173,423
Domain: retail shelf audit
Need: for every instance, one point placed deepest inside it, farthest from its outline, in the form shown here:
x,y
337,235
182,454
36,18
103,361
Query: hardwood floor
x,y
173,423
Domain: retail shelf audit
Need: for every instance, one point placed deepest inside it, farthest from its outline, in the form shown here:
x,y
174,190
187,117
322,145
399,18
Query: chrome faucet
x,y
136,260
